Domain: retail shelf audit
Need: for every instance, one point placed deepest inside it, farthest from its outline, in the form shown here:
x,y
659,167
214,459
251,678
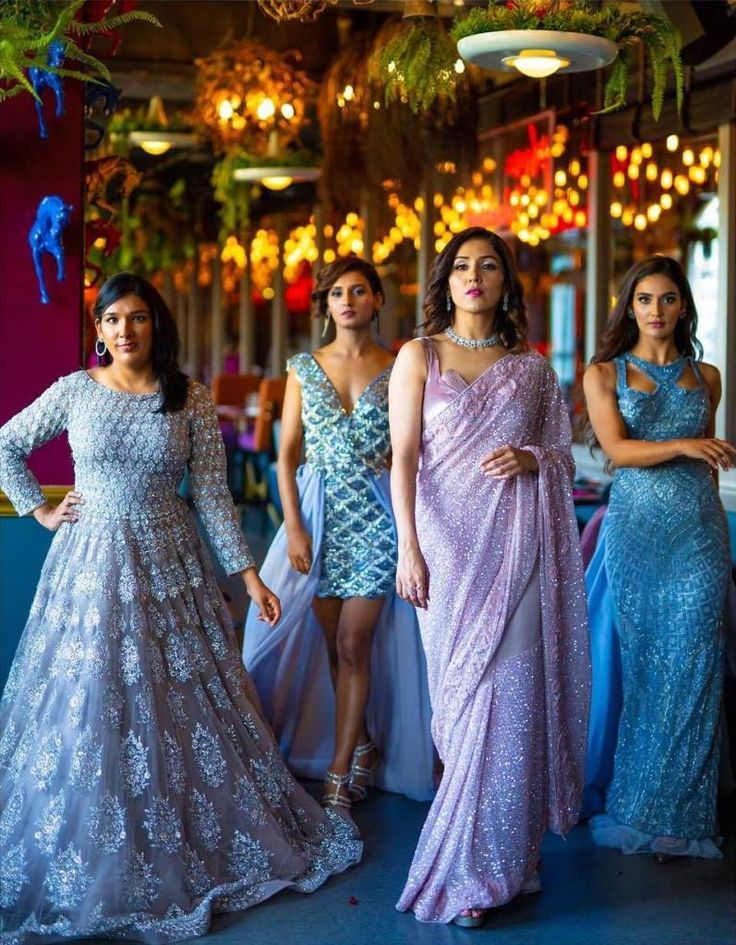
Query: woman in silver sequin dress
x,y
346,647
663,554
140,789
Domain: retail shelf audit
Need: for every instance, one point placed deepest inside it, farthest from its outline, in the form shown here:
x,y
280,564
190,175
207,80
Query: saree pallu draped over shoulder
x,y
505,635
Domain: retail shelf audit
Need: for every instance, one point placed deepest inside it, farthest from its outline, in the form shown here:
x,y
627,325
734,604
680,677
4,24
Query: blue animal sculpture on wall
x,y
42,79
52,216
109,95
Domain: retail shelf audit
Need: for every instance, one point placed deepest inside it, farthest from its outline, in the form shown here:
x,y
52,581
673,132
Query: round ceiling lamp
x,y
276,178
537,53
156,139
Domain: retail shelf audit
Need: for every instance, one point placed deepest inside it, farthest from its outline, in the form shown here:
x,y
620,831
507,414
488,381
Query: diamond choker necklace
x,y
470,342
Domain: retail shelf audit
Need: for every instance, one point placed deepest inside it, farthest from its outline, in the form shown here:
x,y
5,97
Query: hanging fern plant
x,y
661,41
29,27
417,65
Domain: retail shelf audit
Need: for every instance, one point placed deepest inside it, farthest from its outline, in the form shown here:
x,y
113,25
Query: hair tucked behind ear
x,y
165,352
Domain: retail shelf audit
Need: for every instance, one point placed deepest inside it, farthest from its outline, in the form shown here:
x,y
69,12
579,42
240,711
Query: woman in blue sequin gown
x,y
664,558
140,788
344,666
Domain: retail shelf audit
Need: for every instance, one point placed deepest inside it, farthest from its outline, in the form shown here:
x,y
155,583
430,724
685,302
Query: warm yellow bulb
x,y
537,63
276,183
574,167
459,66
636,156
580,218
287,110
583,181
682,185
646,150
652,171
688,157
665,201
633,171
619,179
265,109
640,221
653,212
627,217
560,178
706,156
268,293
622,152
225,109
616,209
666,179
672,143
153,146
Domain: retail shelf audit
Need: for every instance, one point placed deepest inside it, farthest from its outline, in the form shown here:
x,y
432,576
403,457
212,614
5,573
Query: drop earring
x,y
325,326
449,304
505,302
630,313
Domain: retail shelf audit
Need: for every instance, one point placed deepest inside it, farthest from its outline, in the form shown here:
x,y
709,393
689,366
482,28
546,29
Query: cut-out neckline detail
x,y
663,374
349,413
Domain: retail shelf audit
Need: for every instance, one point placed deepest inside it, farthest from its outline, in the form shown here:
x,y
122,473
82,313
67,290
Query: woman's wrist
x,y
251,578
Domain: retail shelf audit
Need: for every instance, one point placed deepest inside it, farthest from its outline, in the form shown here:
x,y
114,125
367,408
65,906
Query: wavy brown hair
x,y
622,333
329,275
510,324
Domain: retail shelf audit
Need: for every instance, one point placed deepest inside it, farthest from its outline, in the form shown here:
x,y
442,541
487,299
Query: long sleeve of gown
x,y
208,484
41,421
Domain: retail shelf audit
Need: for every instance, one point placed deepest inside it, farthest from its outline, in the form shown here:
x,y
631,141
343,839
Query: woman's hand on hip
x,y
299,549
508,461
66,511
412,578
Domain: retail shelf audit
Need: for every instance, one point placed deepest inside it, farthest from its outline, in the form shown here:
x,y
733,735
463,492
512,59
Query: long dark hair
x,y
621,332
510,321
329,275
165,351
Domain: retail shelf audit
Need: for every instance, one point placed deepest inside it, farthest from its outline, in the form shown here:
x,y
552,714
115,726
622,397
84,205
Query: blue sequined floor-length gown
x,y
345,506
667,561
140,789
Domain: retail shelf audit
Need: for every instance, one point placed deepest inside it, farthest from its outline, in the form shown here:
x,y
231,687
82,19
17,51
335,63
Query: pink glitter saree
x,y
505,635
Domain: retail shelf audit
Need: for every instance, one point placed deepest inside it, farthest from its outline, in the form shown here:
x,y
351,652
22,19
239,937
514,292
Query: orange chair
x,y
232,390
257,444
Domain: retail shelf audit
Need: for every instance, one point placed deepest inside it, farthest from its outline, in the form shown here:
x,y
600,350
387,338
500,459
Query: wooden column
x,y
180,316
246,314
424,255
217,327
319,224
194,341
279,323
726,417
599,245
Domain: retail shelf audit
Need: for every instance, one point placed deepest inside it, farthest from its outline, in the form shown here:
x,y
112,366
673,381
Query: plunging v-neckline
x,y
349,413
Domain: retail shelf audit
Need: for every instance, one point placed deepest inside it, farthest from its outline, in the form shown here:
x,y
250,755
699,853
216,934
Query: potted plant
x,y
572,31
29,31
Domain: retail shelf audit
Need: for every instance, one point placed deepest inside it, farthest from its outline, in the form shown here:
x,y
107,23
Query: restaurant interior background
x,y
242,144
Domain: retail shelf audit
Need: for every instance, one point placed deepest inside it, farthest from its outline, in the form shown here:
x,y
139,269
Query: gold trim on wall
x,y
52,494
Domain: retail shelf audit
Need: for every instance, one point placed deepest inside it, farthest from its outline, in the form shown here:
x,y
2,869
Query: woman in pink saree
x,y
489,554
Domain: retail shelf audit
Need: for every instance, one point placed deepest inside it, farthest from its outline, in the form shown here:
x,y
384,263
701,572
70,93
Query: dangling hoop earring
x,y
325,326
100,354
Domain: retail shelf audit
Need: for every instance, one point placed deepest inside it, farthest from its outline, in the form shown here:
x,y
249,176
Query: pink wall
x,y
39,343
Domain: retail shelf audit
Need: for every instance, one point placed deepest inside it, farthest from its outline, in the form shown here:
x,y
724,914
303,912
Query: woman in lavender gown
x,y
140,789
489,554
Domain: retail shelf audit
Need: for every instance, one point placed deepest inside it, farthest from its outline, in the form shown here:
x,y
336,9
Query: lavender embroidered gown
x,y
140,789
505,635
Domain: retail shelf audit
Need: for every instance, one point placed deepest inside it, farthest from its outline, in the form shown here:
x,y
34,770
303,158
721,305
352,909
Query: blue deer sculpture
x,y
43,79
52,217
